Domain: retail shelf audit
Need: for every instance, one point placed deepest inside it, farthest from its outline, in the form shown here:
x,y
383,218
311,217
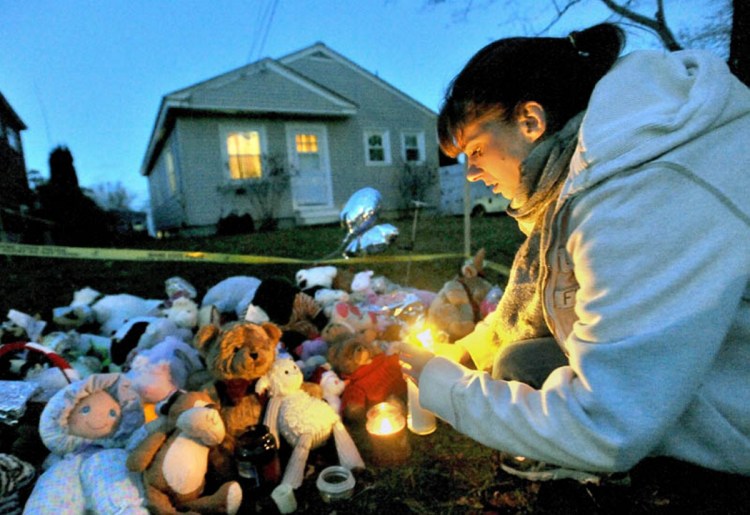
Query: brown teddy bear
x,y
457,307
370,375
174,458
236,356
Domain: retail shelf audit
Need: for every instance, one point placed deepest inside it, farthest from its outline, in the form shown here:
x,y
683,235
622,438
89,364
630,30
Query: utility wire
x,y
264,22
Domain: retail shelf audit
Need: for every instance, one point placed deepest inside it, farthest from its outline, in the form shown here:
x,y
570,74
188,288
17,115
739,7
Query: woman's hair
x,y
558,73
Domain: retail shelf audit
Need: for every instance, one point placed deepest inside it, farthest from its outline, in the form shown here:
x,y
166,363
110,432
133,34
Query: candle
x,y
387,430
420,420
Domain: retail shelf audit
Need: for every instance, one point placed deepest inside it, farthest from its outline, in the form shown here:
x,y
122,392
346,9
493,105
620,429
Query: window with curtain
x,y
244,155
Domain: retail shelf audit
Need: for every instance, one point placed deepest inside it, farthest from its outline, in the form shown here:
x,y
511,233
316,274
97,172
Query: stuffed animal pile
x,y
143,400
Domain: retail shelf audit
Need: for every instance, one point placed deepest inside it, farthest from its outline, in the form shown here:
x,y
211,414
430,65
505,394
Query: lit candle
x,y
387,429
420,420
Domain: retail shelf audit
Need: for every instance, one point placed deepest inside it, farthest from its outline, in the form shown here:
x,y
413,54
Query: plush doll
x,y
15,475
371,376
174,459
112,311
21,326
296,313
456,309
93,415
333,387
355,317
78,313
310,279
157,372
38,365
232,296
304,421
183,312
236,356
141,333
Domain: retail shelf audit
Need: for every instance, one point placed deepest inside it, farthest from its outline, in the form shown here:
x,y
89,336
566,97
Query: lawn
x,y
446,472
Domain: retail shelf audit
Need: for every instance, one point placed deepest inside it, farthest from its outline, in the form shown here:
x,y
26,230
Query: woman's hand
x,y
413,359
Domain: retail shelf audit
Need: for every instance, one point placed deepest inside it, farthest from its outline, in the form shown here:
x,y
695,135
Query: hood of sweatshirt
x,y
655,105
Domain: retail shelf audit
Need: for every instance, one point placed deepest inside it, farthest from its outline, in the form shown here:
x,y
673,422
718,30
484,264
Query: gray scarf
x,y
520,314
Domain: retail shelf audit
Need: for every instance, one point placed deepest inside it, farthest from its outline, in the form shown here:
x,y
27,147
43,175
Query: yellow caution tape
x,y
98,253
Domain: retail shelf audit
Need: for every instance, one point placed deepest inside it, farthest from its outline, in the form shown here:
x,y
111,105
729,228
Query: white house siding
x,y
166,207
380,107
204,171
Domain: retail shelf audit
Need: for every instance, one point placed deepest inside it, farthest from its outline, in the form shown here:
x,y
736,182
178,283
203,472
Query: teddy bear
x,y
370,375
173,459
236,356
304,421
457,307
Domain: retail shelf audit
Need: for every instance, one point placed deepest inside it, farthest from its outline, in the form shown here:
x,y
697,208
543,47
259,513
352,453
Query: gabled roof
x,y
264,87
10,116
320,51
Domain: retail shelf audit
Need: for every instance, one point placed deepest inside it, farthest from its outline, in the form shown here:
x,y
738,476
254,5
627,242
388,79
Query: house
x,y
289,139
15,194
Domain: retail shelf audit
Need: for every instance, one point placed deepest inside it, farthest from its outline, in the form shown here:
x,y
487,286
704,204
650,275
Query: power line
x,y
263,22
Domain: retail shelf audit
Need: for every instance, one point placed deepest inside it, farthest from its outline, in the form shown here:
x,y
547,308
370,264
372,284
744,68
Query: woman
x,y
624,330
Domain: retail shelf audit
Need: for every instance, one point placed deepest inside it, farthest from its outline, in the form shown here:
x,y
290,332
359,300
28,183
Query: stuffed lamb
x,y
305,422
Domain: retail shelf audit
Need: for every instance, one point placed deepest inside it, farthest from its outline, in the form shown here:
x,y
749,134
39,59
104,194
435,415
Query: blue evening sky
x,y
90,74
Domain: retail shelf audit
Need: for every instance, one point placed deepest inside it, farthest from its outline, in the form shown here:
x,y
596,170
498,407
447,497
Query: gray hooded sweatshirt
x,y
646,286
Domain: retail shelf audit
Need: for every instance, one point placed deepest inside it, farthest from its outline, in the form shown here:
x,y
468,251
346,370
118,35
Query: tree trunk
x,y
739,47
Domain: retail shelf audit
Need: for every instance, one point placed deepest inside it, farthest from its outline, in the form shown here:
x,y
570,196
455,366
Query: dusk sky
x,y
89,74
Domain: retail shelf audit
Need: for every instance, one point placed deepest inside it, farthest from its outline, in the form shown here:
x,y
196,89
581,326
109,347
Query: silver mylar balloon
x,y
374,240
361,211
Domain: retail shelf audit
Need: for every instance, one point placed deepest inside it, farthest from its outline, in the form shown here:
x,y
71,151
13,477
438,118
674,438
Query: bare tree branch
x,y
658,23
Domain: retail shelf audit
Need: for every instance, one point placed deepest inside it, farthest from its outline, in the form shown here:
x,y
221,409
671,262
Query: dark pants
x,y
529,361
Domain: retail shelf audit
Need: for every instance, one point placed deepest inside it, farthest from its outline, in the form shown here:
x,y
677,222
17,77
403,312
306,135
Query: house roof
x,y
320,50
9,115
268,86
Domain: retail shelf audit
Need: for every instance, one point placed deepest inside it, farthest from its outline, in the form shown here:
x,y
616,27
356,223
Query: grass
x,y
446,472
35,285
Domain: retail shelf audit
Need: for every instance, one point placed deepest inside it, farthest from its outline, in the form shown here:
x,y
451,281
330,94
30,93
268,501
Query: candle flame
x,y
386,426
425,338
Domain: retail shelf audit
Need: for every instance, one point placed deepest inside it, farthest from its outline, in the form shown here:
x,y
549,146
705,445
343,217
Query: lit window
x,y
307,151
413,143
377,148
244,154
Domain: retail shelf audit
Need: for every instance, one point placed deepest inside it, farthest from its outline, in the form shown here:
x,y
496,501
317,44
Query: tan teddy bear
x,y
457,307
174,459
236,356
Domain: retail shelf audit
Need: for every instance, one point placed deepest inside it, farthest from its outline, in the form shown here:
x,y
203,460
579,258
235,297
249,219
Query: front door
x,y
311,173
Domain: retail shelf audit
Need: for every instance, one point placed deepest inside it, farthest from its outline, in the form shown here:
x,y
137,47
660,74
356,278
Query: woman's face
x,y
495,150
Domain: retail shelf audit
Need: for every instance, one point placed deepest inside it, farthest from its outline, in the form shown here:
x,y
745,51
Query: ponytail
x,y
558,73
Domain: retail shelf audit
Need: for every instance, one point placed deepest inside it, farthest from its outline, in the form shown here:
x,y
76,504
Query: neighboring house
x,y
335,126
15,195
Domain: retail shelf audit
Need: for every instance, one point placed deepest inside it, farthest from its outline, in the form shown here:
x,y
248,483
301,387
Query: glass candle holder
x,y
386,427
420,420
335,483
257,459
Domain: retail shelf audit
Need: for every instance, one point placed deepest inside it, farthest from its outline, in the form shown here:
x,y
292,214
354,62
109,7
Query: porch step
x,y
316,216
